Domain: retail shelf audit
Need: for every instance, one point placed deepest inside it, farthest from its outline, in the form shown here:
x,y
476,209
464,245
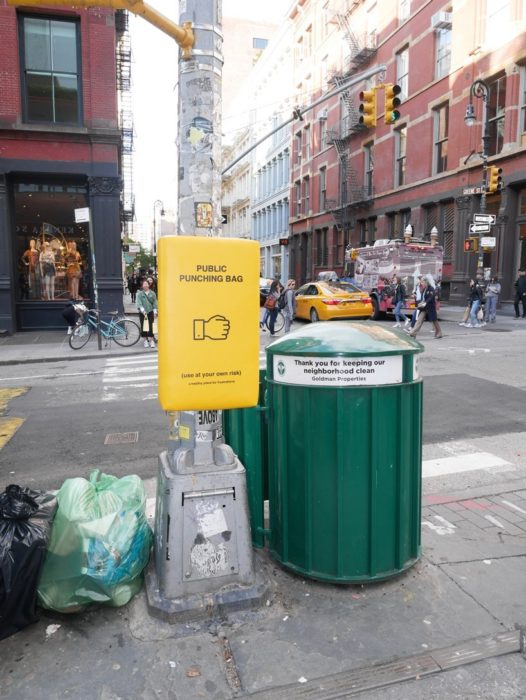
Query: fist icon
x,y
216,328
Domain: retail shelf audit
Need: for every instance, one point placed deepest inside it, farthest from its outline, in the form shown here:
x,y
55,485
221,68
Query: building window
x,y
325,18
371,25
306,143
404,9
298,148
402,72
443,52
496,107
371,229
258,43
322,252
297,187
50,70
441,127
306,195
323,189
448,228
369,168
52,254
522,123
344,193
400,150
498,15
339,235
323,133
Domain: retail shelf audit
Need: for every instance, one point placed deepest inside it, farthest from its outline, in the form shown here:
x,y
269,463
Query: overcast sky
x,y
154,76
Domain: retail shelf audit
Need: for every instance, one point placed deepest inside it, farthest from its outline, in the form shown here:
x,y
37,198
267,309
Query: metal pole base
x,y
199,606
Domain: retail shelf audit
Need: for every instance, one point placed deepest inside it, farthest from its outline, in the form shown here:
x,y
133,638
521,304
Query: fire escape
x,y
124,60
352,193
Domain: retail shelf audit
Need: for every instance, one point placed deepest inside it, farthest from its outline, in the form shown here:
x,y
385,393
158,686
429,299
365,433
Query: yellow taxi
x,y
322,301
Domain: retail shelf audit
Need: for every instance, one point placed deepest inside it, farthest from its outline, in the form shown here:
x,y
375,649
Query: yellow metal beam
x,y
184,35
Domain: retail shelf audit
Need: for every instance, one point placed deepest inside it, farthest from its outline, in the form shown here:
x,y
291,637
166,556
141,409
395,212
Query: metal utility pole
x,y
480,90
200,122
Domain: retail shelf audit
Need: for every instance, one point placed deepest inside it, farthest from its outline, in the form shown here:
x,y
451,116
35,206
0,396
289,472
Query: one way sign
x,y
479,228
485,218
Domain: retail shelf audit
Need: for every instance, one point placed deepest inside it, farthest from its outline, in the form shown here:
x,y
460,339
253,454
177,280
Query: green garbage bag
x,y
100,543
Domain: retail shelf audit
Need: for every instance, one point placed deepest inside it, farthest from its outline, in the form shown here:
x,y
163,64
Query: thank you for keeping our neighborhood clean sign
x,y
208,323
338,371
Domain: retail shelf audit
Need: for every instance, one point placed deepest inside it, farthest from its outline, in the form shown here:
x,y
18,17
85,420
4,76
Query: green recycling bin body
x,y
345,451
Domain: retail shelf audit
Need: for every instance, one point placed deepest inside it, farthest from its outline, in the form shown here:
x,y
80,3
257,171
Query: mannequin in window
x,y
73,270
48,271
31,259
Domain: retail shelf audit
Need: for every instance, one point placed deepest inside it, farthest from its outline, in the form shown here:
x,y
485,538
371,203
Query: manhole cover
x,y
120,438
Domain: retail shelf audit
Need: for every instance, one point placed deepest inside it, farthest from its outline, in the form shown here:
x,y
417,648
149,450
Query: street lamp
x,y
480,90
156,205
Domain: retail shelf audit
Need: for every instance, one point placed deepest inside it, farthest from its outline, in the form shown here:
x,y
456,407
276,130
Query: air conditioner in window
x,y
322,115
442,20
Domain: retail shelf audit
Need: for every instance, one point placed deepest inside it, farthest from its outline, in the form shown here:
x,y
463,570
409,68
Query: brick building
x,y
59,151
352,185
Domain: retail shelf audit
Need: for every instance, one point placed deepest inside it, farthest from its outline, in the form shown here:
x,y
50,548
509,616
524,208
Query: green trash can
x,y
245,430
345,451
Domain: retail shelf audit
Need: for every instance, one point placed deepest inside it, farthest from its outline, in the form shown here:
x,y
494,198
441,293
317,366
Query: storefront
x,y
49,255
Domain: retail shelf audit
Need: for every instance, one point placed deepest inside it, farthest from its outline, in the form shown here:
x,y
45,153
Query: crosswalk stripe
x,y
461,463
113,380
132,361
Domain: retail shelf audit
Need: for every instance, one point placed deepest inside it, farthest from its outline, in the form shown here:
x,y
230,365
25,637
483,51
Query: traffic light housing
x,y
368,108
494,179
392,102
471,245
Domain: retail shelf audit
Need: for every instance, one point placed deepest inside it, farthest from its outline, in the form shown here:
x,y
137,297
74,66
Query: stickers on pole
x,y
208,323
338,371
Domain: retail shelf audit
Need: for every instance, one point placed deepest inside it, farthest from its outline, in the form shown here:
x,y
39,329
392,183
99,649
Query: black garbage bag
x,y
25,525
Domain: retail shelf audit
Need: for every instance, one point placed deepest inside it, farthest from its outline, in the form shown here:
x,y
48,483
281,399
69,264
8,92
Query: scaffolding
x,y
124,63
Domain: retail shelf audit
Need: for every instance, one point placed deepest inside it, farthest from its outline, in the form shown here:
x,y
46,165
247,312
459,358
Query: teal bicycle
x,y
123,331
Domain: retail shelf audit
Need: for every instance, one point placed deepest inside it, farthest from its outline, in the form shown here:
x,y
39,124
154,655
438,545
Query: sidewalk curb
x,y
81,356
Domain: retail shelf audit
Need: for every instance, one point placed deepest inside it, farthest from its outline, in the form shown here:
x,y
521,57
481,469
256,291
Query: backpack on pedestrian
x,y
282,300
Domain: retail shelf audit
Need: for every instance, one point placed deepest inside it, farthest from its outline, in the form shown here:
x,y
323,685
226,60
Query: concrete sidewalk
x,y
53,346
447,628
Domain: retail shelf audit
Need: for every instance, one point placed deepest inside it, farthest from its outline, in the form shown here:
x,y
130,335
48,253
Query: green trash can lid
x,y
345,339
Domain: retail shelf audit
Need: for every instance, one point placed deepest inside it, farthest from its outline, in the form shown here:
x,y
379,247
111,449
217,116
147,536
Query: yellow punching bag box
x,y
208,323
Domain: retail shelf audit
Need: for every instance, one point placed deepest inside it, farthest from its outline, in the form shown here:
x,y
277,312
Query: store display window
x,y
51,251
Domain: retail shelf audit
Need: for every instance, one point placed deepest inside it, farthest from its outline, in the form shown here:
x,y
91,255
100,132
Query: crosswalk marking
x,y
462,463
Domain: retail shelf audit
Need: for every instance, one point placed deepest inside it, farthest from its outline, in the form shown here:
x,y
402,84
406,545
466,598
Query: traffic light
x,y
368,108
471,245
494,179
391,113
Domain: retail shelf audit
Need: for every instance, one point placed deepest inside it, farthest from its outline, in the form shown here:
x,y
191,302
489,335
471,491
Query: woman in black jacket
x,y
429,312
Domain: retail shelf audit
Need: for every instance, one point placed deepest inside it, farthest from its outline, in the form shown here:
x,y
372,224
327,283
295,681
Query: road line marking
x,y
440,529
512,505
495,521
8,427
139,385
150,396
131,361
128,370
54,376
444,522
461,463
112,379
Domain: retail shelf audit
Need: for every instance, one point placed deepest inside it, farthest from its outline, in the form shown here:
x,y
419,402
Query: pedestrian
x,y
428,310
492,295
289,310
520,294
398,300
147,305
152,282
271,303
418,294
133,286
477,299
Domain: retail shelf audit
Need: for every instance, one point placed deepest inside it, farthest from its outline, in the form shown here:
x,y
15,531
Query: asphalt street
x,y
311,640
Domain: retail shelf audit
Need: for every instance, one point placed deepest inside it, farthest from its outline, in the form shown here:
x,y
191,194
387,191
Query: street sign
x,y
473,190
224,219
479,228
484,218
134,248
82,215
488,242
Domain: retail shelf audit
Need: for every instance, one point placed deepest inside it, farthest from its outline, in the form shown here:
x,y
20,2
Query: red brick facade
x,y
85,154
429,195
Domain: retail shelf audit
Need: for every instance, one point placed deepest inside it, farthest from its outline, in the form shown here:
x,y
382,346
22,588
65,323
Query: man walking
x,y
520,294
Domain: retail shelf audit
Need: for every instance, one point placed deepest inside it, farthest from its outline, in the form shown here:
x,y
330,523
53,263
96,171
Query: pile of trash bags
x,y
90,548
25,524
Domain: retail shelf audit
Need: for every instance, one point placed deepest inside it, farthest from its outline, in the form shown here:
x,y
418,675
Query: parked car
x,y
322,301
